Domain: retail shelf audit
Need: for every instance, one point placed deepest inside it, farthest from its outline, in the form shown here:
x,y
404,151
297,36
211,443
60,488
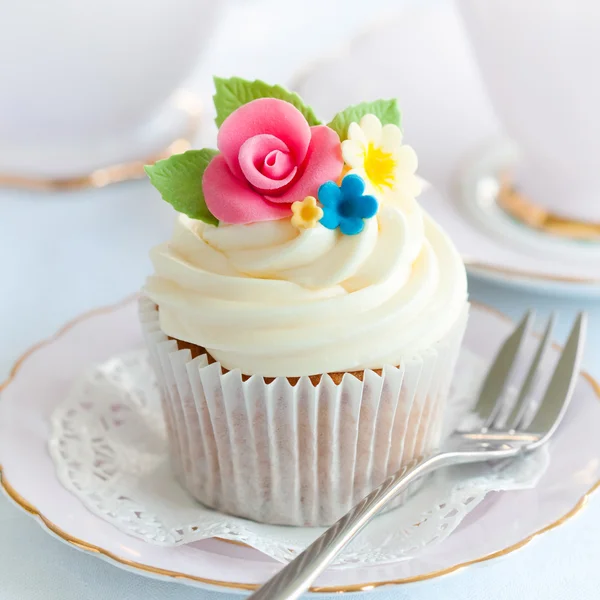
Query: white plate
x,y
502,523
118,159
422,57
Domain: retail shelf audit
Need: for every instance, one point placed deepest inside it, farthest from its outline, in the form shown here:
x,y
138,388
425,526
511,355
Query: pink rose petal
x,y
278,164
265,115
263,155
233,201
323,163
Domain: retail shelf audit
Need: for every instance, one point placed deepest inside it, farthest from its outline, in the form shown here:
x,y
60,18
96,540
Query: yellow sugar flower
x,y
306,213
376,153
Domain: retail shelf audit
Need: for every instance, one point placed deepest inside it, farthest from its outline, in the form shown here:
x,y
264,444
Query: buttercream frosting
x,y
271,299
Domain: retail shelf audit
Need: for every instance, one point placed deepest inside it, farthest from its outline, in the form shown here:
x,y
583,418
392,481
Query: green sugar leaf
x,y
235,92
386,110
179,181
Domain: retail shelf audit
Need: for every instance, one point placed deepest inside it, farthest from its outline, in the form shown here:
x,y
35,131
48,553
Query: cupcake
x,y
306,316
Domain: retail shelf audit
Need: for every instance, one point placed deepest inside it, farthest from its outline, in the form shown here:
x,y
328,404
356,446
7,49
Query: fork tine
x,y
487,404
524,399
560,389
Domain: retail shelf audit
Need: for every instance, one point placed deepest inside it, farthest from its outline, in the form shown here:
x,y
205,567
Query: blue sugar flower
x,y
345,206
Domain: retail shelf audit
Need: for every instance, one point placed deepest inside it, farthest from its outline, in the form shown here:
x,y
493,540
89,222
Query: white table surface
x,y
61,255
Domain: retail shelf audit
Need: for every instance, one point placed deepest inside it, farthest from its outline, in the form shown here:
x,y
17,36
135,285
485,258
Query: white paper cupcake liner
x,y
299,454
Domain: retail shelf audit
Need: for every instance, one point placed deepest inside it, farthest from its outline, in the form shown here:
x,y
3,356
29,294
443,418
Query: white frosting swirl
x,y
269,299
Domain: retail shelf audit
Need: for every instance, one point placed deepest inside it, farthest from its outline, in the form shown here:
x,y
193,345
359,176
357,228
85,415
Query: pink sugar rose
x,y
270,157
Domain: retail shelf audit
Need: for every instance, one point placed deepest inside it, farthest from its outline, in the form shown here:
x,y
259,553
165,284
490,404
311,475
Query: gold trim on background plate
x,y
24,504
535,217
523,209
184,100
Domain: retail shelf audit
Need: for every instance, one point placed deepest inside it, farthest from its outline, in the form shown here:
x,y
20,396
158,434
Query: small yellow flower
x,y
306,213
376,153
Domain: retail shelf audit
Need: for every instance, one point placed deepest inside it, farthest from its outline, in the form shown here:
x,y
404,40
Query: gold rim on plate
x,y
533,216
359,587
184,100
528,212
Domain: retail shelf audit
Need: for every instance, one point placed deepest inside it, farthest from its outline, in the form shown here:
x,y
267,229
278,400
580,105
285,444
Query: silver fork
x,y
529,425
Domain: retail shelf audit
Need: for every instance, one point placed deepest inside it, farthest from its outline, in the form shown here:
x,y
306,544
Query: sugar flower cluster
x,y
275,160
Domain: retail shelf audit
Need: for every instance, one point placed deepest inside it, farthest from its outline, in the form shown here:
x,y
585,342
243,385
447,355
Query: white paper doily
x,y
108,443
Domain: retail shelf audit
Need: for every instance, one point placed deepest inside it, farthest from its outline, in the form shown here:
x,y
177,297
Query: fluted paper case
x,y
289,451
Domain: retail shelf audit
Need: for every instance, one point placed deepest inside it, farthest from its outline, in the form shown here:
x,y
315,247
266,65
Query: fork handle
x,y
297,576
